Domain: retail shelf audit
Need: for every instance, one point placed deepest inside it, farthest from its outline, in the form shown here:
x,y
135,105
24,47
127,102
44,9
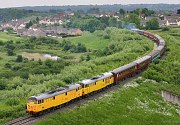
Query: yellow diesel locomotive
x,y
51,99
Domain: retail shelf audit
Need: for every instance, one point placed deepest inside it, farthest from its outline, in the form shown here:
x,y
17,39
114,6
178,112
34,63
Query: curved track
x,y
71,105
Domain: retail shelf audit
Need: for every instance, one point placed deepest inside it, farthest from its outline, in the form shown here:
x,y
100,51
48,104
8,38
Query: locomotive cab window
x,y
66,93
54,98
82,85
32,100
39,101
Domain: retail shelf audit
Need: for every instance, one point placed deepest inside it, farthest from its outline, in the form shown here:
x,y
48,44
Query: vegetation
x,y
133,18
21,80
144,11
138,102
8,14
152,24
86,23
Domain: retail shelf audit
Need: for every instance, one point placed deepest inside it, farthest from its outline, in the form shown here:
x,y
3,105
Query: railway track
x,y
21,121
28,120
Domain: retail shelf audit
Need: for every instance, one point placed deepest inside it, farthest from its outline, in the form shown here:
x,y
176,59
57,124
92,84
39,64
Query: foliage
x,y
10,52
140,103
137,102
167,70
9,30
19,58
29,24
86,23
165,29
132,18
24,79
93,10
144,11
152,24
8,14
92,23
68,46
122,11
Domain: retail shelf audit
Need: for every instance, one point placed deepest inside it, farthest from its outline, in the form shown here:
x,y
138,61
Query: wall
x,y
171,97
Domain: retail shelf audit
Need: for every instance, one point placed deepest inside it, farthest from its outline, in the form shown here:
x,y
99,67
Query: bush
x,y
10,52
12,101
165,29
19,58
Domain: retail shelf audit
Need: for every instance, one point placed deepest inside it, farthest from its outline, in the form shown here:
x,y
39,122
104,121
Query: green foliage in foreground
x,y
168,69
132,104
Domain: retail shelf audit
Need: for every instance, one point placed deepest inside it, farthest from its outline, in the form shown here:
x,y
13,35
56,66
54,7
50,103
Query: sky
x,y
20,3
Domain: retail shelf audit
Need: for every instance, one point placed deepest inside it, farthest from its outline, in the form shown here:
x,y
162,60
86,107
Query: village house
x,y
57,31
31,32
50,21
173,20
15,24
54,31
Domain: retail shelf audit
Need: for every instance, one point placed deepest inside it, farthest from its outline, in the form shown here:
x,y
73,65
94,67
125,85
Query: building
x,y
15,24
50,21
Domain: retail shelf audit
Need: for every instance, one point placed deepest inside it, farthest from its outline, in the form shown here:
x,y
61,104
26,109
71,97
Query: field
x,y
138,102
91,41
5,37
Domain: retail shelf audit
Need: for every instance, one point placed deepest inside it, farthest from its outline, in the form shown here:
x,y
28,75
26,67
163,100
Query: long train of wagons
x,y
60,96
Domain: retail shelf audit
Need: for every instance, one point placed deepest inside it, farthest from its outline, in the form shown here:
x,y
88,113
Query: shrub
x,y
19,58
12,101
165,29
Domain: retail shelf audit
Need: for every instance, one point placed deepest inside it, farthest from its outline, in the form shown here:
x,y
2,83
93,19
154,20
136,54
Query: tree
x,y
132,18
88,58
152,24
29,24
165,29
9,29
122,12
112,22
19,58
37,19
178,11
10,52
93,10
7,65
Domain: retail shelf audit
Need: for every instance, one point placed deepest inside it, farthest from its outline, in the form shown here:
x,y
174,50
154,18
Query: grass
x,y
5,37
23,88
90,40
4,59
138,105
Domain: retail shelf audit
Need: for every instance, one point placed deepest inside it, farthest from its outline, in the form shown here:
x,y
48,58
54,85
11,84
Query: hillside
x,y
22,77
139,102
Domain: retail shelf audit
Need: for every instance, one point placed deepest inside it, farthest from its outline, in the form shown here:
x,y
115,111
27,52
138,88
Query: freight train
x,y
52,99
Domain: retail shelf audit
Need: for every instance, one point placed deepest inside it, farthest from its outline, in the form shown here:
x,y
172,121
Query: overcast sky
x,y
19,3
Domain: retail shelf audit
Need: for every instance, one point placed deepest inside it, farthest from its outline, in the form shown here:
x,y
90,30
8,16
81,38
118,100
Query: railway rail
x,y
110,79
21,121
29,120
